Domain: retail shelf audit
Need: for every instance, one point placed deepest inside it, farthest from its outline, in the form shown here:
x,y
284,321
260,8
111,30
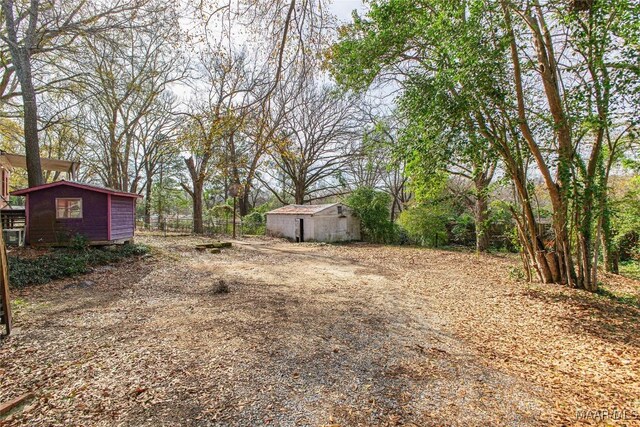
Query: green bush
x,y
254,223
462,228
79,242
372,207
65,263
425,225
626,221
630,269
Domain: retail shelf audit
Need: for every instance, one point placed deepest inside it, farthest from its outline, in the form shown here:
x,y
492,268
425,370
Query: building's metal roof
x,y
301,209
10,160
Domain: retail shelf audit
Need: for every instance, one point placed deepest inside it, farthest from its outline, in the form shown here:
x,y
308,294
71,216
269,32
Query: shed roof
x,y
301,209
82,185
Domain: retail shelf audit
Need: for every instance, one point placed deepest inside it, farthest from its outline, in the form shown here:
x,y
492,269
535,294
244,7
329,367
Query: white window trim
x,y
70,198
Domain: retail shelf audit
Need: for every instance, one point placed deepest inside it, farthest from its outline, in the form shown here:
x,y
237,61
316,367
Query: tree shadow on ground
x,y
300,358
594,314
269,352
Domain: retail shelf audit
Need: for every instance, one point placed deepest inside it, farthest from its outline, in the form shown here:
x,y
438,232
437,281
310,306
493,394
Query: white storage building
x,y
321,223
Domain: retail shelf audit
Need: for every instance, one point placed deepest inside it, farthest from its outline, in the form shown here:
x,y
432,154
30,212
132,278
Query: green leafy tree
x,y
425,224
372,207
497,72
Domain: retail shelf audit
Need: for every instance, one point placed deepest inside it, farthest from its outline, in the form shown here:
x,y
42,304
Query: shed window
x,y
68,208
339,209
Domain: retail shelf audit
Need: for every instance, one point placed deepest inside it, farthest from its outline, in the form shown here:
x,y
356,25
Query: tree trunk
x,y
299,194
244,204
21,58
114,180
554,266
588,278
31,140
198,227
557,190
481,216
609,253
395,207
147,202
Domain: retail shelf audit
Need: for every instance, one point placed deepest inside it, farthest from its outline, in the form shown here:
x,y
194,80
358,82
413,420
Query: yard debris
x,y
221,287
139,390
6,407
82,284
214,245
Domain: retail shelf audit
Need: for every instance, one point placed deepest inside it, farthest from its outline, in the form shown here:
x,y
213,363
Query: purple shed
x,y
58,211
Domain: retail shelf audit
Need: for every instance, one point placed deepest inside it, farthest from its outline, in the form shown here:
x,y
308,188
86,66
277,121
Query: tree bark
x,y
554,266
21,58
31,139
609,253
147,202
198,227
481,212
393,208
299,194
114,176
244,204
196,192
557,190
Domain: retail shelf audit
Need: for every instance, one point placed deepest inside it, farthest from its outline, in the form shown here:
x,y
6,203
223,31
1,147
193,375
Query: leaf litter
x,y
273,333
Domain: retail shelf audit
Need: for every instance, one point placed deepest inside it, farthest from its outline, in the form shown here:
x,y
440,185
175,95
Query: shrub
x,y
626,222
425,225
79,242
463,229
372,207
254,223
65,263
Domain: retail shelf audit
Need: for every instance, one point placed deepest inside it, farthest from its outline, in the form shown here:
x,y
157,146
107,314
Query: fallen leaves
x,y
316,335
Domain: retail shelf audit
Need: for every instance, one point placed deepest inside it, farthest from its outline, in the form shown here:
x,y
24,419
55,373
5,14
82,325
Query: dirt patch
x,y
310,334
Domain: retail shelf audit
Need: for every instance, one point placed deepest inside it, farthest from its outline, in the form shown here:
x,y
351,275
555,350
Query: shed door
x,y
342,225
299,230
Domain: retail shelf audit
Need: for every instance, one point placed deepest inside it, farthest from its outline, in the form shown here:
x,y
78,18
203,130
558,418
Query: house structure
x,y
10,161
12,216
321,223
59,211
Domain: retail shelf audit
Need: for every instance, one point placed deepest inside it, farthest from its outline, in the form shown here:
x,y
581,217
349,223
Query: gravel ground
x,y
316,335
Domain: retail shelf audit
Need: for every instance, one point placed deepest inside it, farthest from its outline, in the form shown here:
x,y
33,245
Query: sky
x,y
343,8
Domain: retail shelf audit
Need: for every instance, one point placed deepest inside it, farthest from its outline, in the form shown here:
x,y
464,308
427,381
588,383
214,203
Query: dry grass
x,y
315,335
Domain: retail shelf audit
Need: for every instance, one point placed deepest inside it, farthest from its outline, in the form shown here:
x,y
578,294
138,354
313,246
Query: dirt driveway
x,y
312,335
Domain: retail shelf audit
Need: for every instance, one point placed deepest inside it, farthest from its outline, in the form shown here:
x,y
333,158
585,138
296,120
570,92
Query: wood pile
x,y
214,247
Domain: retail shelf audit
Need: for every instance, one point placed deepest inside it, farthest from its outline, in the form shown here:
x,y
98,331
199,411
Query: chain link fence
x,y
184,225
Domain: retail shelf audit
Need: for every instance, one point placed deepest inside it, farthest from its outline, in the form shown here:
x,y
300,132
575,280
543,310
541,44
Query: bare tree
x,y
318,138
378,164
214,120
124,80
37,28
155,143
8,81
